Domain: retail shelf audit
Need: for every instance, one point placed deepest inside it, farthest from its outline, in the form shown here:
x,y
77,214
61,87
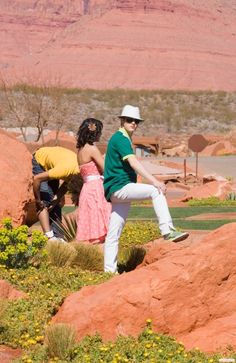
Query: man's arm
x,y
40,207
139,168
60,193
38,179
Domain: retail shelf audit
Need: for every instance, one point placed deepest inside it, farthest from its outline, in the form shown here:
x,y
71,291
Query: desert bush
x,y
130,258
60,340
60,254
188,108
16,248
88,257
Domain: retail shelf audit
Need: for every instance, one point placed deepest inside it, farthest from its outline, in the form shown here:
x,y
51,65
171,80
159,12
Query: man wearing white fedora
x,y
121,188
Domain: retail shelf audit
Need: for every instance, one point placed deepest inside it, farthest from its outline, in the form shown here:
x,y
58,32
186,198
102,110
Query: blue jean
x,y
48,189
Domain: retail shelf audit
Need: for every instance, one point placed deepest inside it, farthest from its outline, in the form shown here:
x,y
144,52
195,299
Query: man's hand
x,y
53,203
39,206
160,186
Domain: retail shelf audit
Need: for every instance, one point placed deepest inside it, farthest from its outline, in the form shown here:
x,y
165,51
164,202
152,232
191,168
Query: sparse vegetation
x,y
213,201
172,111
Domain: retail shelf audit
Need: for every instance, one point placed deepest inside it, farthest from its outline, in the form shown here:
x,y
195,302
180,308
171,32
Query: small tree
x,y
36,106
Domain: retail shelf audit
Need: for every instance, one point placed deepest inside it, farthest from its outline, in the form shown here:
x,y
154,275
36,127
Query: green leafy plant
x,y
16,248
67,227
138,233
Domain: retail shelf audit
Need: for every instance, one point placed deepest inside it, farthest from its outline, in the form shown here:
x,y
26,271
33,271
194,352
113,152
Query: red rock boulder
x,y
7,291
188,292
15,178
8,355
214,188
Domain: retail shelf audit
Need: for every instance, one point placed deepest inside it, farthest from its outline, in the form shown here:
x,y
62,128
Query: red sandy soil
x,y
145,44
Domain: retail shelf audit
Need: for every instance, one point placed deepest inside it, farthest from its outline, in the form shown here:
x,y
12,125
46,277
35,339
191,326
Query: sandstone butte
x,y
131,44
188,290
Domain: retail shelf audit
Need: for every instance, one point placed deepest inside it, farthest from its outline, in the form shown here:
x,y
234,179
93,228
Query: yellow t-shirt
x,y
59,162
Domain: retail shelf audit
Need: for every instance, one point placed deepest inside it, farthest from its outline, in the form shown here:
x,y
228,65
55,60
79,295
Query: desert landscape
x,y
64,61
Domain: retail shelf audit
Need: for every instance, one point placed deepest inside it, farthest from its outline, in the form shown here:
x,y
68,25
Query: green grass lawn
x,y
179,214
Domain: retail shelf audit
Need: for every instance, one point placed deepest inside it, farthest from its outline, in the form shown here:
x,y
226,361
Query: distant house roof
x,y
150,142
145,140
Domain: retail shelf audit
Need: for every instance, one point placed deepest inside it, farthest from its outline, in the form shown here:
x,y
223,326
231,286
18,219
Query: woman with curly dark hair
x,y
94,211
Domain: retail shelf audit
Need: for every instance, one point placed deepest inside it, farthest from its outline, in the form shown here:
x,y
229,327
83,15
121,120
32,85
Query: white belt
x,y
92,177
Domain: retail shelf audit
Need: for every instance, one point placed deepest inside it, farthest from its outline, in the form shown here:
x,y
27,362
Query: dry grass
x,y
61,254
130,258
89,257
60,340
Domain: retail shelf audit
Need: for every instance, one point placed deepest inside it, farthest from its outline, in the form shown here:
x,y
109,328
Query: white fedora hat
x,y
131,112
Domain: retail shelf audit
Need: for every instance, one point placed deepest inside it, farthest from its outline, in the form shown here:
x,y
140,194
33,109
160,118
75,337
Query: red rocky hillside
x,y
136,44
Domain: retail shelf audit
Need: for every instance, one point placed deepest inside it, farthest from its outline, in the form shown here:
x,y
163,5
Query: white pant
x,y
121,200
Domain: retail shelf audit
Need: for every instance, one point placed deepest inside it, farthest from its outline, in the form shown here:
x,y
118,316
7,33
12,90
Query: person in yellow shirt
x,y
49,166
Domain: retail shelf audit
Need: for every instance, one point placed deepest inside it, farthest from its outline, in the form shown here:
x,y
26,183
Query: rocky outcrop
x,y
7,291
8,355
223,147
15,178
216,188
187,291
134,44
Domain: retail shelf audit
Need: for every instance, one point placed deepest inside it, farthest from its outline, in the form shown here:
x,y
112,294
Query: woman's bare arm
x,y
97,158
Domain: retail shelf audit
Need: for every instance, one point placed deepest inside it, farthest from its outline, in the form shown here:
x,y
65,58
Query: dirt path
x,y
220,165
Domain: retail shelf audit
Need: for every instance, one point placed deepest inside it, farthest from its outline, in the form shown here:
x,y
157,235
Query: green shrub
x,y
138,233
16,248
210,201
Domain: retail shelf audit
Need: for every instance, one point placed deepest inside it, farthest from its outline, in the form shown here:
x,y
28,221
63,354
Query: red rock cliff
x,y
101,44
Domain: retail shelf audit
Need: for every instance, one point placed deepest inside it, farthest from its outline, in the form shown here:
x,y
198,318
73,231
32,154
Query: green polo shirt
x,y
117,171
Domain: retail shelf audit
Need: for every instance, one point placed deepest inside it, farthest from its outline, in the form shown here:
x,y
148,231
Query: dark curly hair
x,y
89,131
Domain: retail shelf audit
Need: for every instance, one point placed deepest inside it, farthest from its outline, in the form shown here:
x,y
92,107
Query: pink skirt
x,y
93,213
